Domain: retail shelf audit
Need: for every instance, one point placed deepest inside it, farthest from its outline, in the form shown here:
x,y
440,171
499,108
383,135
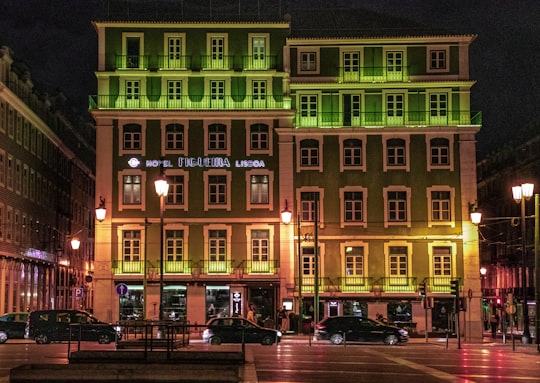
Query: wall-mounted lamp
x,y
101,211
286,214
476,216
75,243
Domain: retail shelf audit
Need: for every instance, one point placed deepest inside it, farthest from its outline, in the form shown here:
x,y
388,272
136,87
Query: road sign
x,y
78,292
121,289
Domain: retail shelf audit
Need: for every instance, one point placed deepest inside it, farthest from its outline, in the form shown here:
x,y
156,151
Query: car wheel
x,y
267,340
391,340
337,339
104,339
42,339
3,337
216,340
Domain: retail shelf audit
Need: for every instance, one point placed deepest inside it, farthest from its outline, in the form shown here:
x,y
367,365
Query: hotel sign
x,y
197,162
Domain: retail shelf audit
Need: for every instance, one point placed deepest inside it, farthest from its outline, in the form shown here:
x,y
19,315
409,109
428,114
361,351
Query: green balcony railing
x,y
373,74
127,267
217,62
355,284
192,102
259,267
177,267
260,62
439,284
217,267
379,119
131,62
308,284
174,62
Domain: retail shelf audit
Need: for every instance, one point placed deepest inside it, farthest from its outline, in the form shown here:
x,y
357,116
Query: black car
x,y
12,326
45,326
339,329
236,330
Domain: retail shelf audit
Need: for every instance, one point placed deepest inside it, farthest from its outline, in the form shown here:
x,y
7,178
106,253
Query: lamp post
x,y
537,267
521,194
162,188
286,217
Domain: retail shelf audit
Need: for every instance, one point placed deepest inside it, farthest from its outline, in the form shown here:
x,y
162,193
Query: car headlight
x,y
279,333
403,332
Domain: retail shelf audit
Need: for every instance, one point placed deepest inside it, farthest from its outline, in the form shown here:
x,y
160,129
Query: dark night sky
x,y
56,40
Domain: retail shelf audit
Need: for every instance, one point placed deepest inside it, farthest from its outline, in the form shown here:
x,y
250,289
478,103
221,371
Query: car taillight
x,y
320,326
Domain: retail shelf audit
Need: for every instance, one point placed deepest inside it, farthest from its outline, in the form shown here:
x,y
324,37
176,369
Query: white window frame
x,y
351,75
260,227
269,151
407,165
270,174
387,247
354,189
396,188
217,172
164,149
404,72
3,165
228,245
310,189
119,234
227,150
252,62
225,60
121,150
342,166
120,175
185,174
185,242
453,254
182,60
301,51
437,48
430,166
125,36
452,191
319,166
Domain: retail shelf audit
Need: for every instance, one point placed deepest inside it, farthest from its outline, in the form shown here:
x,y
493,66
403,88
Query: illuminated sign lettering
x,y
198,162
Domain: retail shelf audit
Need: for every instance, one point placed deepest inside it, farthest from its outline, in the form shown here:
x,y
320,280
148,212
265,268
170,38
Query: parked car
x,y
339,329
45,326
236,330
12,326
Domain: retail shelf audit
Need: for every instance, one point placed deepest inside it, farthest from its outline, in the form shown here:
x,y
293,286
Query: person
x,y
251,314
494,324
211,311
283,319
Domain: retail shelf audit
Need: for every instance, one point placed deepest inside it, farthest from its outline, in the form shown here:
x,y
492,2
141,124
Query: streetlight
x,y
521,194
162,188
286,217
101,211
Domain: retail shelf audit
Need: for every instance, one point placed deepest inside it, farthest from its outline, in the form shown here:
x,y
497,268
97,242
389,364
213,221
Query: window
x,y
397,206
217,93
259,137
132,137
131,189
260,245
10,170
133,52
175,196
174,93
354,261
2,167
217,189
133,90
217,245
353,206
351,66
308,262
258,52
398,261
259,90
174,137
437,60
175,51
309,153
438,105
440,206
217,48
217,137
395,152
439,152
442,261
174,245
394,105
352,152
259,189
131,245
308,61
308,106
394,65
18,176
308,202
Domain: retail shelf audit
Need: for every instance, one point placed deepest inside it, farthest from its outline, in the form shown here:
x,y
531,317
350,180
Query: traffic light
x,y
462,304
454,287
422,289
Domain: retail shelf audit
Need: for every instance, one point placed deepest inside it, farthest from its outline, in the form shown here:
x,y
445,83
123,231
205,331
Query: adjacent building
x,y
47,154
363,133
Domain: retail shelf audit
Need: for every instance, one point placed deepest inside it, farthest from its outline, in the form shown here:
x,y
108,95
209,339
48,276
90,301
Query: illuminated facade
x,y
247,118
46,197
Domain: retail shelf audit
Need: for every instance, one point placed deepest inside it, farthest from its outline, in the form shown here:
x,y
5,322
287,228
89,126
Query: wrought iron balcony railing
x,y
376,119
373,74
259,267
131,62
355,284
192,102
308,284
396,284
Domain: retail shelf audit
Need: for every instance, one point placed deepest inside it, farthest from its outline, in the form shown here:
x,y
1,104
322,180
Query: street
x,y
295,361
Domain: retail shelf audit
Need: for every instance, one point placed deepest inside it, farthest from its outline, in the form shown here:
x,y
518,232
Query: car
x,y
12,326
238,330
45,326
340,329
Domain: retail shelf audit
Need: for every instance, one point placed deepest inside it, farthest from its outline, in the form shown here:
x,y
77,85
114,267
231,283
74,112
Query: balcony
x,y
373,74
439,284
192,102
217,267
259,267
355,284
308,284
217,62
174,62
177,267
260,62
397,284
131,62
381,119
127,267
